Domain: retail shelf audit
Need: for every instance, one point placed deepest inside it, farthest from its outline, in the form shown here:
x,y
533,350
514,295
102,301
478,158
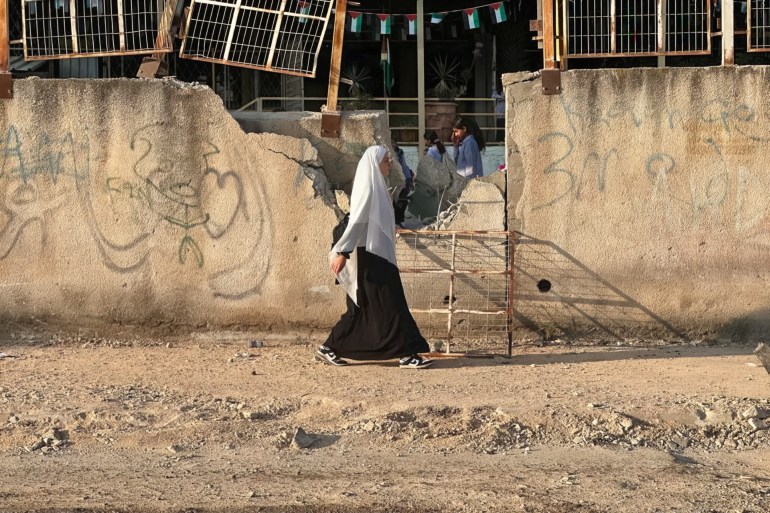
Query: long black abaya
x,y
382,327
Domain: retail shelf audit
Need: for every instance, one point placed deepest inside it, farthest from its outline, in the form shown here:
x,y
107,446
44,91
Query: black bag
x,y
338,230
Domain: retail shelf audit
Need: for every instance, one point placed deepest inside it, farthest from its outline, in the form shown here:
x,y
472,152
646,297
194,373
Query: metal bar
x,y
240,65
511,266
334,68
318,47
229,5
277,33
500,233
728,38
613,29
458,311
473,272
451,292
74,27
661,19
163,38
231,33
121,27
749,22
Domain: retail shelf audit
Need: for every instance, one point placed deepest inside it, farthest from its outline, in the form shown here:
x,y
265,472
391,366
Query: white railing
x,y
402,112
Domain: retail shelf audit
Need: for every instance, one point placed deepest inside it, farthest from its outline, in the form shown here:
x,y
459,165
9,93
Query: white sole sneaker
x,y
330,359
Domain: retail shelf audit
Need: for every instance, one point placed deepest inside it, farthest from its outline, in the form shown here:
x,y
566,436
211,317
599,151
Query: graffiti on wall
x,y
699,174
36,177
167,193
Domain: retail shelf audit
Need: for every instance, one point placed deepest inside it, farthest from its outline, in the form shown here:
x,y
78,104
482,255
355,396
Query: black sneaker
x,y
326,355
414,362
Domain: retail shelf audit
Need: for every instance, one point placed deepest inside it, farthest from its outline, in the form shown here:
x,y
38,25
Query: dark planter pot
x,y
440,116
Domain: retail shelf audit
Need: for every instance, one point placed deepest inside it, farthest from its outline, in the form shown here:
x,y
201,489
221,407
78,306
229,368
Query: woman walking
x,y
377,324
469,143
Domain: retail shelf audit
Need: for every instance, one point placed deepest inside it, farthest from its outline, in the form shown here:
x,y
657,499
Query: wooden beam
x,y
549,48
334,71
6,79
5,44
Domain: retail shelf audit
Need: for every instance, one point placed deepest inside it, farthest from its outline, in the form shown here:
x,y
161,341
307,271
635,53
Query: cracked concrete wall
x,y
640,200
339,156
145,201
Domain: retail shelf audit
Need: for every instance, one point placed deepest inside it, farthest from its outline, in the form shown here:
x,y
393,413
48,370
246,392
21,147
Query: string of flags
x,y
471,19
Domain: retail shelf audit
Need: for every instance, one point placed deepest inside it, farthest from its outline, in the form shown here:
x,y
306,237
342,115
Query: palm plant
x,y
451,81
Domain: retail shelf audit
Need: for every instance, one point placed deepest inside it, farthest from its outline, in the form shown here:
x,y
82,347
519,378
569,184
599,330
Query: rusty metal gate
x,y
459,286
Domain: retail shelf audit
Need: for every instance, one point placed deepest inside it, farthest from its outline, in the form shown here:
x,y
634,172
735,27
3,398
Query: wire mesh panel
x,y
758,22
688,29
621,28
274,35
458,286
57,29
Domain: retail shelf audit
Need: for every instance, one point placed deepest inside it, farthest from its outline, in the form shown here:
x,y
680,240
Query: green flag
x,y
387,67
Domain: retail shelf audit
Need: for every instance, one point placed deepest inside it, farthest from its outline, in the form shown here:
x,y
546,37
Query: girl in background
x,y
434,147
469,143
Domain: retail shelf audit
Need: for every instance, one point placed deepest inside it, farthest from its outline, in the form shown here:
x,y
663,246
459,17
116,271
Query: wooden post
x,y
6,81
5,44
549,53
330,116
728,34
420,77
334,71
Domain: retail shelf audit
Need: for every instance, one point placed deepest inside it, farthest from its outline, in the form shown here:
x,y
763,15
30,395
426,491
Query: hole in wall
x,y
544,285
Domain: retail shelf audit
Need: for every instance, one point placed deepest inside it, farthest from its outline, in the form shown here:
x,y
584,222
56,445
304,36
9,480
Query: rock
x,y
301,439
37,445
60,434
249,415
626,422
758,424
436,187
370,426
755,412
175,449
763,353
255,344
13,419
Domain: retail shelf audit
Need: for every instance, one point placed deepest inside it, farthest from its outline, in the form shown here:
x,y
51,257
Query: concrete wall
x,y
642,196
144,201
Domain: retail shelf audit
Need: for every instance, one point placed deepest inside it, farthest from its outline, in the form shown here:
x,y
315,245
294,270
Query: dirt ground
x,y
203,422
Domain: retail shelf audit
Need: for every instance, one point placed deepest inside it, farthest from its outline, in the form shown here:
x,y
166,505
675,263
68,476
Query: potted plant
x,y
450,82
355,78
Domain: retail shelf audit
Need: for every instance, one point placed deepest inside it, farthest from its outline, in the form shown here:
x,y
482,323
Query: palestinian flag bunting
x,y
356,19
304,8
472,18
387,67
384,24
411,24
497,12
437,17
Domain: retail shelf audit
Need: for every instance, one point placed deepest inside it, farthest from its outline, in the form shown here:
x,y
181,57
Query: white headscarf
x,y
372,220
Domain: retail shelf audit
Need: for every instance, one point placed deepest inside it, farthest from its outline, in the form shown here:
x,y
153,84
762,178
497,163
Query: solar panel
x,y
283,36
63,29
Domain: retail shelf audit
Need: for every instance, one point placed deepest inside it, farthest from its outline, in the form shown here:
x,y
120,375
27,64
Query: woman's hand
x,y
338,264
